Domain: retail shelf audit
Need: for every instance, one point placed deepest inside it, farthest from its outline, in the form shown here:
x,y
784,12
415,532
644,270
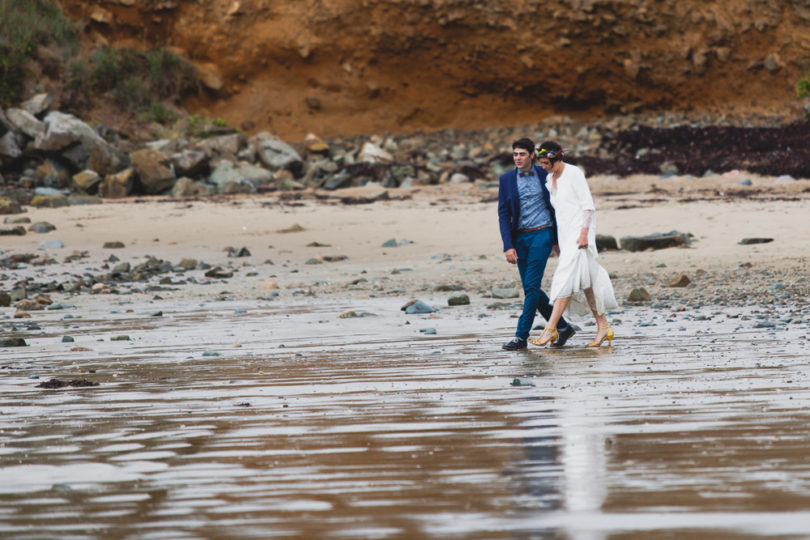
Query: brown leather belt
x,y
534,229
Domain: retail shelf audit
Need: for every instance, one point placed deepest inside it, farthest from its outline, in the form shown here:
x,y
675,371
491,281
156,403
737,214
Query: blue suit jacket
x,y
509,206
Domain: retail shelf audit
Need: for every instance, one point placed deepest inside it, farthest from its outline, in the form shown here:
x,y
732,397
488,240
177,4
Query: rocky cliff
x,y
360,66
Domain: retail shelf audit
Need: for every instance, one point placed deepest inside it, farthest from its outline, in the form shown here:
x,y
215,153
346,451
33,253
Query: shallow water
x,y
308,426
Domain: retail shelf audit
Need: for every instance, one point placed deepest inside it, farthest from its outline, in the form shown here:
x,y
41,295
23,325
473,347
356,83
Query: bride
x,y
580,284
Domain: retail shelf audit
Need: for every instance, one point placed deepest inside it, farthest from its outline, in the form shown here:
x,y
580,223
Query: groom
x,y
529,232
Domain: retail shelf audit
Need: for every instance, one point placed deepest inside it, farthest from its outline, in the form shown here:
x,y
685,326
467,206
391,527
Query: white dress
x,y
577,268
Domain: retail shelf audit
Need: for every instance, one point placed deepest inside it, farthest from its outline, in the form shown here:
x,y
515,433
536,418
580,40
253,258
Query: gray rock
x,y
25,122
223,145
38,104
418,307
341,180
155,171
668,167
752,241
391,242
189,162
13,342
41,227
67,339
505,292
765,324
258,176
241,252
16,220
428,331
517,381
9,148
371,153
746,182
275,153
655,241
79,144
679,281
459,299
459,178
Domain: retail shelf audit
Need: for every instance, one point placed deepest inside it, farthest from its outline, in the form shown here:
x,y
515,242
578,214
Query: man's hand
x,y
511,256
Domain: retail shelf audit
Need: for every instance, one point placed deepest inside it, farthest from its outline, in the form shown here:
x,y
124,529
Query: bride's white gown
x,y
577,269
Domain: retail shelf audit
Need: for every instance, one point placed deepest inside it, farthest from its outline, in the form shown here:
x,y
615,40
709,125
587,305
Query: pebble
x,y
428,331
67,339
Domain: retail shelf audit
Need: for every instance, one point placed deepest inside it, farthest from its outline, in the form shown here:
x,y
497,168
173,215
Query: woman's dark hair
x,y
551,150
525,144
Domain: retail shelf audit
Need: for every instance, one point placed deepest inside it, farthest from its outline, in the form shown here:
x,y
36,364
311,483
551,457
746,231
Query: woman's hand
x,y
582,241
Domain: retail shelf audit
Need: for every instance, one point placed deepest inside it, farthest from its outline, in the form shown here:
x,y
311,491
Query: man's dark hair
x,y
525,144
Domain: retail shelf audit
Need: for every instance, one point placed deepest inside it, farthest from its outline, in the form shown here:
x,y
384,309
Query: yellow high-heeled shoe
x,y
608,336
540,341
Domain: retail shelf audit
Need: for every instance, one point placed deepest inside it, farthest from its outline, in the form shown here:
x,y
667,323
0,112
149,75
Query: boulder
x,y
417,306
655,241
186,187
223,145
79,144
117,185
25,122
459,178
86,181
275,153
189,162
79,199
369,193
371,153
9,206
155,172
258,176
53,174
38,104
9,148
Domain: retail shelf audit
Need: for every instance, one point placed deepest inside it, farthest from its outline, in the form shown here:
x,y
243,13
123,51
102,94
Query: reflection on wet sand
x,y
272,423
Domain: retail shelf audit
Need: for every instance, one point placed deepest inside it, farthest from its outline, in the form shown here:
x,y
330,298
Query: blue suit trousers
x,y
533,249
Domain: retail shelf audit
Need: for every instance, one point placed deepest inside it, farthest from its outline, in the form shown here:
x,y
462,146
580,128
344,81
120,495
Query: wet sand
x,y
238,414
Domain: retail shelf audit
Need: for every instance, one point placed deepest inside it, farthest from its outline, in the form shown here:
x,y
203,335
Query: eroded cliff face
x,y
359,66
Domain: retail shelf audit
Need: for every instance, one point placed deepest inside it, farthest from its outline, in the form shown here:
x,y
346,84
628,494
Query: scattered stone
x,y
114,245
5,300
765,324
188,264
55,200
679,281
241,252
42,227
13,342
218,273
517,381
211,354
418,307
459,299
335,258
270,284
638,295
67,339
120,338
18,230
505,292
53,243
75,383
392,242
752,241
655,241
292,229
314,261
351,314
428,331
86,181
372,153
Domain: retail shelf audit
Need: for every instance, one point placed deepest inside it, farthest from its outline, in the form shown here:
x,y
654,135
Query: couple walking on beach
x,y
547,207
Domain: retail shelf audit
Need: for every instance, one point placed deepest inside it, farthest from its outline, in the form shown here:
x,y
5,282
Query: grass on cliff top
x,y
25,24
136,81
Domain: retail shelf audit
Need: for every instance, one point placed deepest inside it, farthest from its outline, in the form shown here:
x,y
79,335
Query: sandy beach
x,y
247,407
